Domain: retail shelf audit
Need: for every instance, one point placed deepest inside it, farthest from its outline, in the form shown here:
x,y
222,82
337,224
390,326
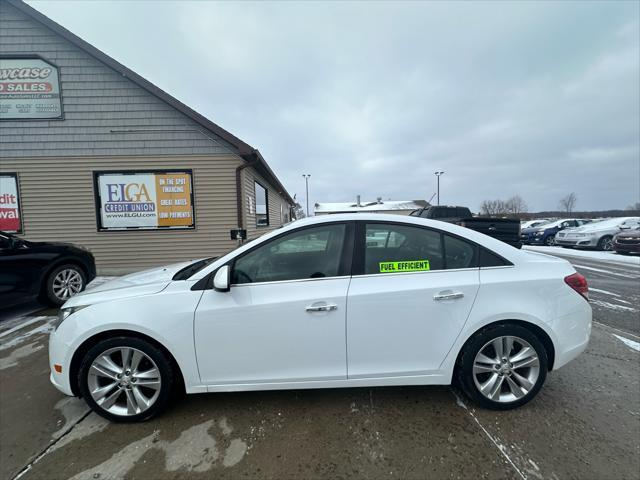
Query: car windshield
x,y
610,223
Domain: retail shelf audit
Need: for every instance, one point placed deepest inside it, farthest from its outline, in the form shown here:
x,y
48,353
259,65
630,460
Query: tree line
x,y
515,205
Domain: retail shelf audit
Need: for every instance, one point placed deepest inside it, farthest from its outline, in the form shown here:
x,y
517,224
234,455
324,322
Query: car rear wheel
x,y
503,367
550,240
126,379
64,282
606,243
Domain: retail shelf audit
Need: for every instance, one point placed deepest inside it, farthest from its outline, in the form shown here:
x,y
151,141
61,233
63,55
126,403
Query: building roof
x,y
244,150
377,206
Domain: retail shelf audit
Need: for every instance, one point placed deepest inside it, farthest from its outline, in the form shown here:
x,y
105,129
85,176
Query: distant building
x,y
398,207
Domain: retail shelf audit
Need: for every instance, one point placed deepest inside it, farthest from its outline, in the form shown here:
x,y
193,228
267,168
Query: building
x,y
398,207
92,153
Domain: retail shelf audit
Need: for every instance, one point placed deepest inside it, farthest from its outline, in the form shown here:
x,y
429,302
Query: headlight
x,y
539,234
64,313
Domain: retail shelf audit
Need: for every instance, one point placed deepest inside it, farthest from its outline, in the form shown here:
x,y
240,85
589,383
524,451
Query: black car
x,y
50,271
504,229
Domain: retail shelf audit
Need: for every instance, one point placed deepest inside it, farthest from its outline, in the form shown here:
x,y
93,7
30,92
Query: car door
x,y
19,271
408,299
283,319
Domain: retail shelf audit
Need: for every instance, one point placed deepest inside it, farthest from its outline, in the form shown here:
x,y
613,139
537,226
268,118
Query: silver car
x,y
596,235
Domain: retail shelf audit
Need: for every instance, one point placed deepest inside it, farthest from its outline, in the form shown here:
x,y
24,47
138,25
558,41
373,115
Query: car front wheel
x,y
126,379
64,282
550,240
503,367
606,243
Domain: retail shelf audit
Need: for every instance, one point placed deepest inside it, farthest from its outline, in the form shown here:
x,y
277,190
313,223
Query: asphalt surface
x,y
584,424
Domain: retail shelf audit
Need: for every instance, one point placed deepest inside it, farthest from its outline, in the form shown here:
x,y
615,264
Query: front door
x,y
409,301
283,319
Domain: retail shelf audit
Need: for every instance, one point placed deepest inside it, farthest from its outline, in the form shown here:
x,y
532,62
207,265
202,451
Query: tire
x,y
64,282
606,243
526,381
620,252
550,241
127,397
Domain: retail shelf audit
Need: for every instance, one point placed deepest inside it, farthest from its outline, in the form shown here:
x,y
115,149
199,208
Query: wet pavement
x,y
584,424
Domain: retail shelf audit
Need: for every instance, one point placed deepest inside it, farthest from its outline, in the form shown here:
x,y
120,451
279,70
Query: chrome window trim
x,y
297,280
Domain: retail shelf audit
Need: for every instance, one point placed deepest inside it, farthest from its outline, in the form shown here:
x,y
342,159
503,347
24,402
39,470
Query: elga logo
x,y
128,197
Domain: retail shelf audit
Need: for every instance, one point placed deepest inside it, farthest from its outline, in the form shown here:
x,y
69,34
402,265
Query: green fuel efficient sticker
x,y
404,266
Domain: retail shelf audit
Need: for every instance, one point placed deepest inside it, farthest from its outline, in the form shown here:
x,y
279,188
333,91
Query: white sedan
x,y
335,301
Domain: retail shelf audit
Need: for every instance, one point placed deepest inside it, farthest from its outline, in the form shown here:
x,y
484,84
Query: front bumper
x,y
626,247
58,356
576,241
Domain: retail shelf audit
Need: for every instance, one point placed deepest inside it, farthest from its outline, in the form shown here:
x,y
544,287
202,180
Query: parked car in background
x,y
627,241
504,229
533,223
429,303
597,234
546,233
50,271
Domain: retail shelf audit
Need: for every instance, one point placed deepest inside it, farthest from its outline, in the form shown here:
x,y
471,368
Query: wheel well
x,y
536,330
90,342
69,261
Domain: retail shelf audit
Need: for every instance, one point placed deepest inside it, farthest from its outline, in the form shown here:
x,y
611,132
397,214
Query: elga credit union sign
x,y
29,89
144,200
10,218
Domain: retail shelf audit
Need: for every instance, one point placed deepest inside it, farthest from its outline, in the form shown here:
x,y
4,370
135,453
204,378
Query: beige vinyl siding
x,y
58,205
249,177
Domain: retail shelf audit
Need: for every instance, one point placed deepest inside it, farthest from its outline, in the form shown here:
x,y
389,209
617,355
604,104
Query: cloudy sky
x,y
538,98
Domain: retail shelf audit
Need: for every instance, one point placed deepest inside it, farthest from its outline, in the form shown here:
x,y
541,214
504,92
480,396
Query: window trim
x,y
345,265
360,247
266,203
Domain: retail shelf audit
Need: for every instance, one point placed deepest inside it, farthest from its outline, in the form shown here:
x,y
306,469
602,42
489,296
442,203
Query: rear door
x,y
408,300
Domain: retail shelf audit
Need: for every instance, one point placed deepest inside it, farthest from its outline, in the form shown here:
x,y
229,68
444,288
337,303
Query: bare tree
x,y
568,203
493,207
635,206
515,205
298,211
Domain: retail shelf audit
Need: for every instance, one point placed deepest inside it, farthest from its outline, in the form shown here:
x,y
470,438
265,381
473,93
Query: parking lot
x,y
584,424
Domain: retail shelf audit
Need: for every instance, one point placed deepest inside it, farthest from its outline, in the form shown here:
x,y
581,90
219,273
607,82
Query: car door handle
x,y
448,296
321,308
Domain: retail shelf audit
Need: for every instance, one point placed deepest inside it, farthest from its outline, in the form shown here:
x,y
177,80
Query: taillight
x,y
578,283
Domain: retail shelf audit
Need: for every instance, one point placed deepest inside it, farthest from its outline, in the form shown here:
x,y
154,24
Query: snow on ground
x,y
589,254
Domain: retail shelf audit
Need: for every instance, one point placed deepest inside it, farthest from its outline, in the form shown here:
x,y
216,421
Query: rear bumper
x,y
572,334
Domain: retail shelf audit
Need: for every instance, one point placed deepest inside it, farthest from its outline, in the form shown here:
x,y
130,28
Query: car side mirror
x,y
222,280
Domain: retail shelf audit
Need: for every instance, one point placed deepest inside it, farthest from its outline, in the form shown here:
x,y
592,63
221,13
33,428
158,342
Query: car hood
x,y
589,229
146,282
629,234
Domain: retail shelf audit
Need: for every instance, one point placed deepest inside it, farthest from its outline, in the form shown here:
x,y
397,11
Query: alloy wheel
x,y
67,283
506,369
607,244
124,381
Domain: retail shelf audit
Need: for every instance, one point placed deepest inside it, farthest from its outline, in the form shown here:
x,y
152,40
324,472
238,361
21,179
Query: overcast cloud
x,y
537,99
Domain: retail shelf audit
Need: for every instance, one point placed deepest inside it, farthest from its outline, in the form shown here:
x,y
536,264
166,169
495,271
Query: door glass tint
x,y
459,254
393,248
309,253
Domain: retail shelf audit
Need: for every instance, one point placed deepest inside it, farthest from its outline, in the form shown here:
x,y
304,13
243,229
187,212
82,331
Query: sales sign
x,y
29,89
10,215
145,200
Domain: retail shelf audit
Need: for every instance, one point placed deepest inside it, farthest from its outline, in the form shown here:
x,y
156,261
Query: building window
x,y
262,206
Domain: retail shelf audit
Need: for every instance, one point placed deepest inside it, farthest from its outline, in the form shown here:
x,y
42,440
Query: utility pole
x,y
306,181
437,174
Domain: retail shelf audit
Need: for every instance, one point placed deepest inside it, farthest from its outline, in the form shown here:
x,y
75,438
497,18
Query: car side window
x,y
459,253
393,248
308,253
490,259
4,242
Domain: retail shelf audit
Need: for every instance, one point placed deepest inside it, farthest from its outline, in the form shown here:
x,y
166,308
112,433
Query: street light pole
x,y
437,174
306,181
